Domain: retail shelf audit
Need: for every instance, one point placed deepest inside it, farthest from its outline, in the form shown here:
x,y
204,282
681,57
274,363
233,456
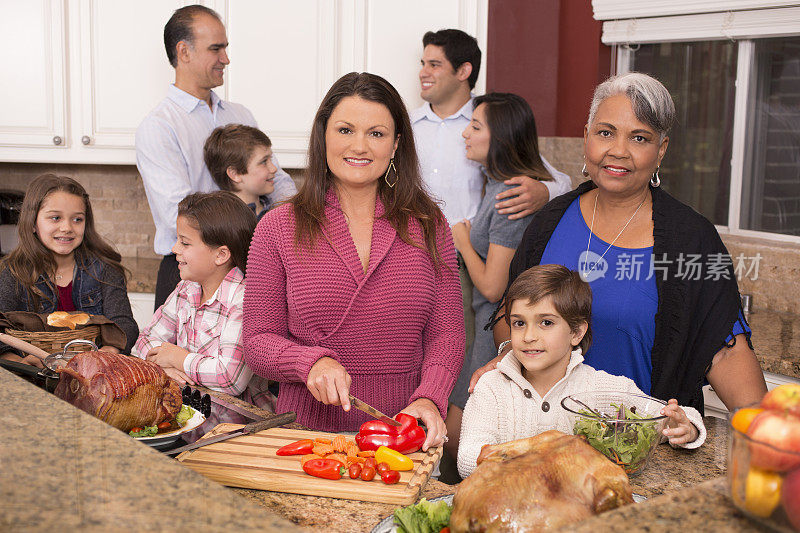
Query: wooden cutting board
x,y
250,462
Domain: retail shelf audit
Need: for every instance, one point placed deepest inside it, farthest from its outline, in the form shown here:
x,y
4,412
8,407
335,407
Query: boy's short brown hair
x,y
231,146
222,220
571,296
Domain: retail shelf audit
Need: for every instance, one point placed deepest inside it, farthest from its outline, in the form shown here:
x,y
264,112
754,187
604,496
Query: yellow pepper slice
x,y
762,492
395,460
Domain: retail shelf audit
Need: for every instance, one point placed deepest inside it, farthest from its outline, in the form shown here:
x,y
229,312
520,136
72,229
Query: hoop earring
x,y
584,172
386,176
655,181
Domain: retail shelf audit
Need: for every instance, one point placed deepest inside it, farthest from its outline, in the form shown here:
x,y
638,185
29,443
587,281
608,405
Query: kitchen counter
x,y
63,470
776,340
80,473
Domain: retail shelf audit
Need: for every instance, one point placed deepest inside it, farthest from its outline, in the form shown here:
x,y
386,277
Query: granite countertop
x,y
776,340
63,470
83,474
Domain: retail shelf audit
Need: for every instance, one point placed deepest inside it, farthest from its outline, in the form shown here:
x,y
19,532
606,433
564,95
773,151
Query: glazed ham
x,y
123,391
538,484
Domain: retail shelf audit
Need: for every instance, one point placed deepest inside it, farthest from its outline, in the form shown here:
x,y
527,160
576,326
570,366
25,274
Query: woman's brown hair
x,y
222,220
514,144
571,296
32,259
406,200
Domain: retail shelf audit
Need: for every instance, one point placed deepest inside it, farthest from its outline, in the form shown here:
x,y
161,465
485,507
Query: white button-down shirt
x,y
454,181
169,156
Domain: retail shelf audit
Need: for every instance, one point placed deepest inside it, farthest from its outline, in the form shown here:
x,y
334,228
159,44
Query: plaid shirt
x,y
212,333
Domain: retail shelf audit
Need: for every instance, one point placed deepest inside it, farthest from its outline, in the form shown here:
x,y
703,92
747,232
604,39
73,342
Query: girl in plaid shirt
x,y
196,336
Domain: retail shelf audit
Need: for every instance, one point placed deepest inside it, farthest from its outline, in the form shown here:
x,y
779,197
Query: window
x,y
771,179
701,77
734,73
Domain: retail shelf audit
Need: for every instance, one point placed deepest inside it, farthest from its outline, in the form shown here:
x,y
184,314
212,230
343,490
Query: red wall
x,y
549,52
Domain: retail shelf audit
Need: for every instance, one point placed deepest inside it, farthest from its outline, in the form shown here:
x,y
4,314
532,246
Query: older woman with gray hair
x,y
666,310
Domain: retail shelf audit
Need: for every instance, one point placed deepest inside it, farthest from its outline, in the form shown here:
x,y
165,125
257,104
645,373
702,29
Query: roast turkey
x,y
538,484
124,391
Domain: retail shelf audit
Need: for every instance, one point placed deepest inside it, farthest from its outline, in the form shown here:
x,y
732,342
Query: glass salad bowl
x,y
624,427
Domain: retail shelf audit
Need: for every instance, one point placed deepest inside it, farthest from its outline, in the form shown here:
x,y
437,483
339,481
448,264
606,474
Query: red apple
x,y
780,430
790,498
783,398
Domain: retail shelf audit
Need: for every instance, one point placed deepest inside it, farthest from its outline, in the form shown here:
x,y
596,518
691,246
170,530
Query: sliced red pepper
x,y
405,439
301,447
324,468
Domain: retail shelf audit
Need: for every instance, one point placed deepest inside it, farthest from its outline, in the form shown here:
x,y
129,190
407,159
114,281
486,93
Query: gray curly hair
x,y
651,101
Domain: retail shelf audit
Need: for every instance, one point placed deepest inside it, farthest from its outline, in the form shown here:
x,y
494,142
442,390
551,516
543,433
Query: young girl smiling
x,y
62,263
550,309
196,336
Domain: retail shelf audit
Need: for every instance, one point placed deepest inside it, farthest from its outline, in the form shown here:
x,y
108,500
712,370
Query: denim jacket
x,y
86,291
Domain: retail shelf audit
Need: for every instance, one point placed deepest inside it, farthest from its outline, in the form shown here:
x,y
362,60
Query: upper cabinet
x,y
86,72
33,89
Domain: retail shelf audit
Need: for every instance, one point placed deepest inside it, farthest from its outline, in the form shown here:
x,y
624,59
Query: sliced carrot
x,y
342,458
351,449
368,453
306,458
320,440
323,449
353,460
339,443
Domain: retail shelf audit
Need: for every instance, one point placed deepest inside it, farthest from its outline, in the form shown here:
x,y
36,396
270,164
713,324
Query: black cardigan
x,y
694,317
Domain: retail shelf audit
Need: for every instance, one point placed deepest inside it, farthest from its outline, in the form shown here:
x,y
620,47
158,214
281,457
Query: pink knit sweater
x,y
398,329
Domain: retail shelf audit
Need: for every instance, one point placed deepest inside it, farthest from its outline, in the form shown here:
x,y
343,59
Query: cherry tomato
x,y
382,467
368,473
164,425
137,429
354,470
390,477
445,530
371,462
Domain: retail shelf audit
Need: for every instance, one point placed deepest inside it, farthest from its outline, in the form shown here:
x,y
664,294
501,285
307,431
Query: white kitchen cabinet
x,y
88,71
33,88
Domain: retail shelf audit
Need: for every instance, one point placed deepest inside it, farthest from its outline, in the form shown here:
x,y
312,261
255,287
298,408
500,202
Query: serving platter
x,y
250,462
164,439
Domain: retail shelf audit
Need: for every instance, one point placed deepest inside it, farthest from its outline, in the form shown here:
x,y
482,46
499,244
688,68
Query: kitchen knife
x,y
253,427
367,408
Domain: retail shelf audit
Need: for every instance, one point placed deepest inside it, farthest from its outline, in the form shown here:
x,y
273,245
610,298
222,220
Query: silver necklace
x,y
585,273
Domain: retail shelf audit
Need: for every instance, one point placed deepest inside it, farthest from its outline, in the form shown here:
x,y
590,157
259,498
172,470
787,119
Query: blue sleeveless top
x,y
624,297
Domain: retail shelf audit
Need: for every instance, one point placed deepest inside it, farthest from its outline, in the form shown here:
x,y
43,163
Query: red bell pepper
x,y
301,447
405,439
324,468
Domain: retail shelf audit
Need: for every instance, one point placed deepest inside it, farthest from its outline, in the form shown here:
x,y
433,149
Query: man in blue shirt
x,y
450,65
169,141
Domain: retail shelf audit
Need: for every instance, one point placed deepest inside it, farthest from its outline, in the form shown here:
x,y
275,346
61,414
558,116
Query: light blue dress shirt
x,y
169,156
454,181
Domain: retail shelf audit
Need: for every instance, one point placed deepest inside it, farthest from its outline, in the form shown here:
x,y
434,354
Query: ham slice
x,y
538,484
121,390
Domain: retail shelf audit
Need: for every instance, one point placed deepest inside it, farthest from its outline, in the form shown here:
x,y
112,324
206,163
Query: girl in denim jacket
x,y
62,263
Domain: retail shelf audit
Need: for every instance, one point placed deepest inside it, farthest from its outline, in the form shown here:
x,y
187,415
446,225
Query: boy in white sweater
x,y
550,309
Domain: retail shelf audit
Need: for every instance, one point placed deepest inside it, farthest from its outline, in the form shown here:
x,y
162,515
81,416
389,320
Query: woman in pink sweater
x,y
352,286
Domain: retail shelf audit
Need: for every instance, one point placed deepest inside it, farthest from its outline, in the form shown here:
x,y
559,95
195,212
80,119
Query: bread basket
x,y
54,341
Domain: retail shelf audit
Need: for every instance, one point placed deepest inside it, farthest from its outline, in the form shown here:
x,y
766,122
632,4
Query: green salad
x,y
181,418
625,443
424,517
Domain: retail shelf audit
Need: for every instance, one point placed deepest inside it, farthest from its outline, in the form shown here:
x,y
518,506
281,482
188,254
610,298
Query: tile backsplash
x,y
123,218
